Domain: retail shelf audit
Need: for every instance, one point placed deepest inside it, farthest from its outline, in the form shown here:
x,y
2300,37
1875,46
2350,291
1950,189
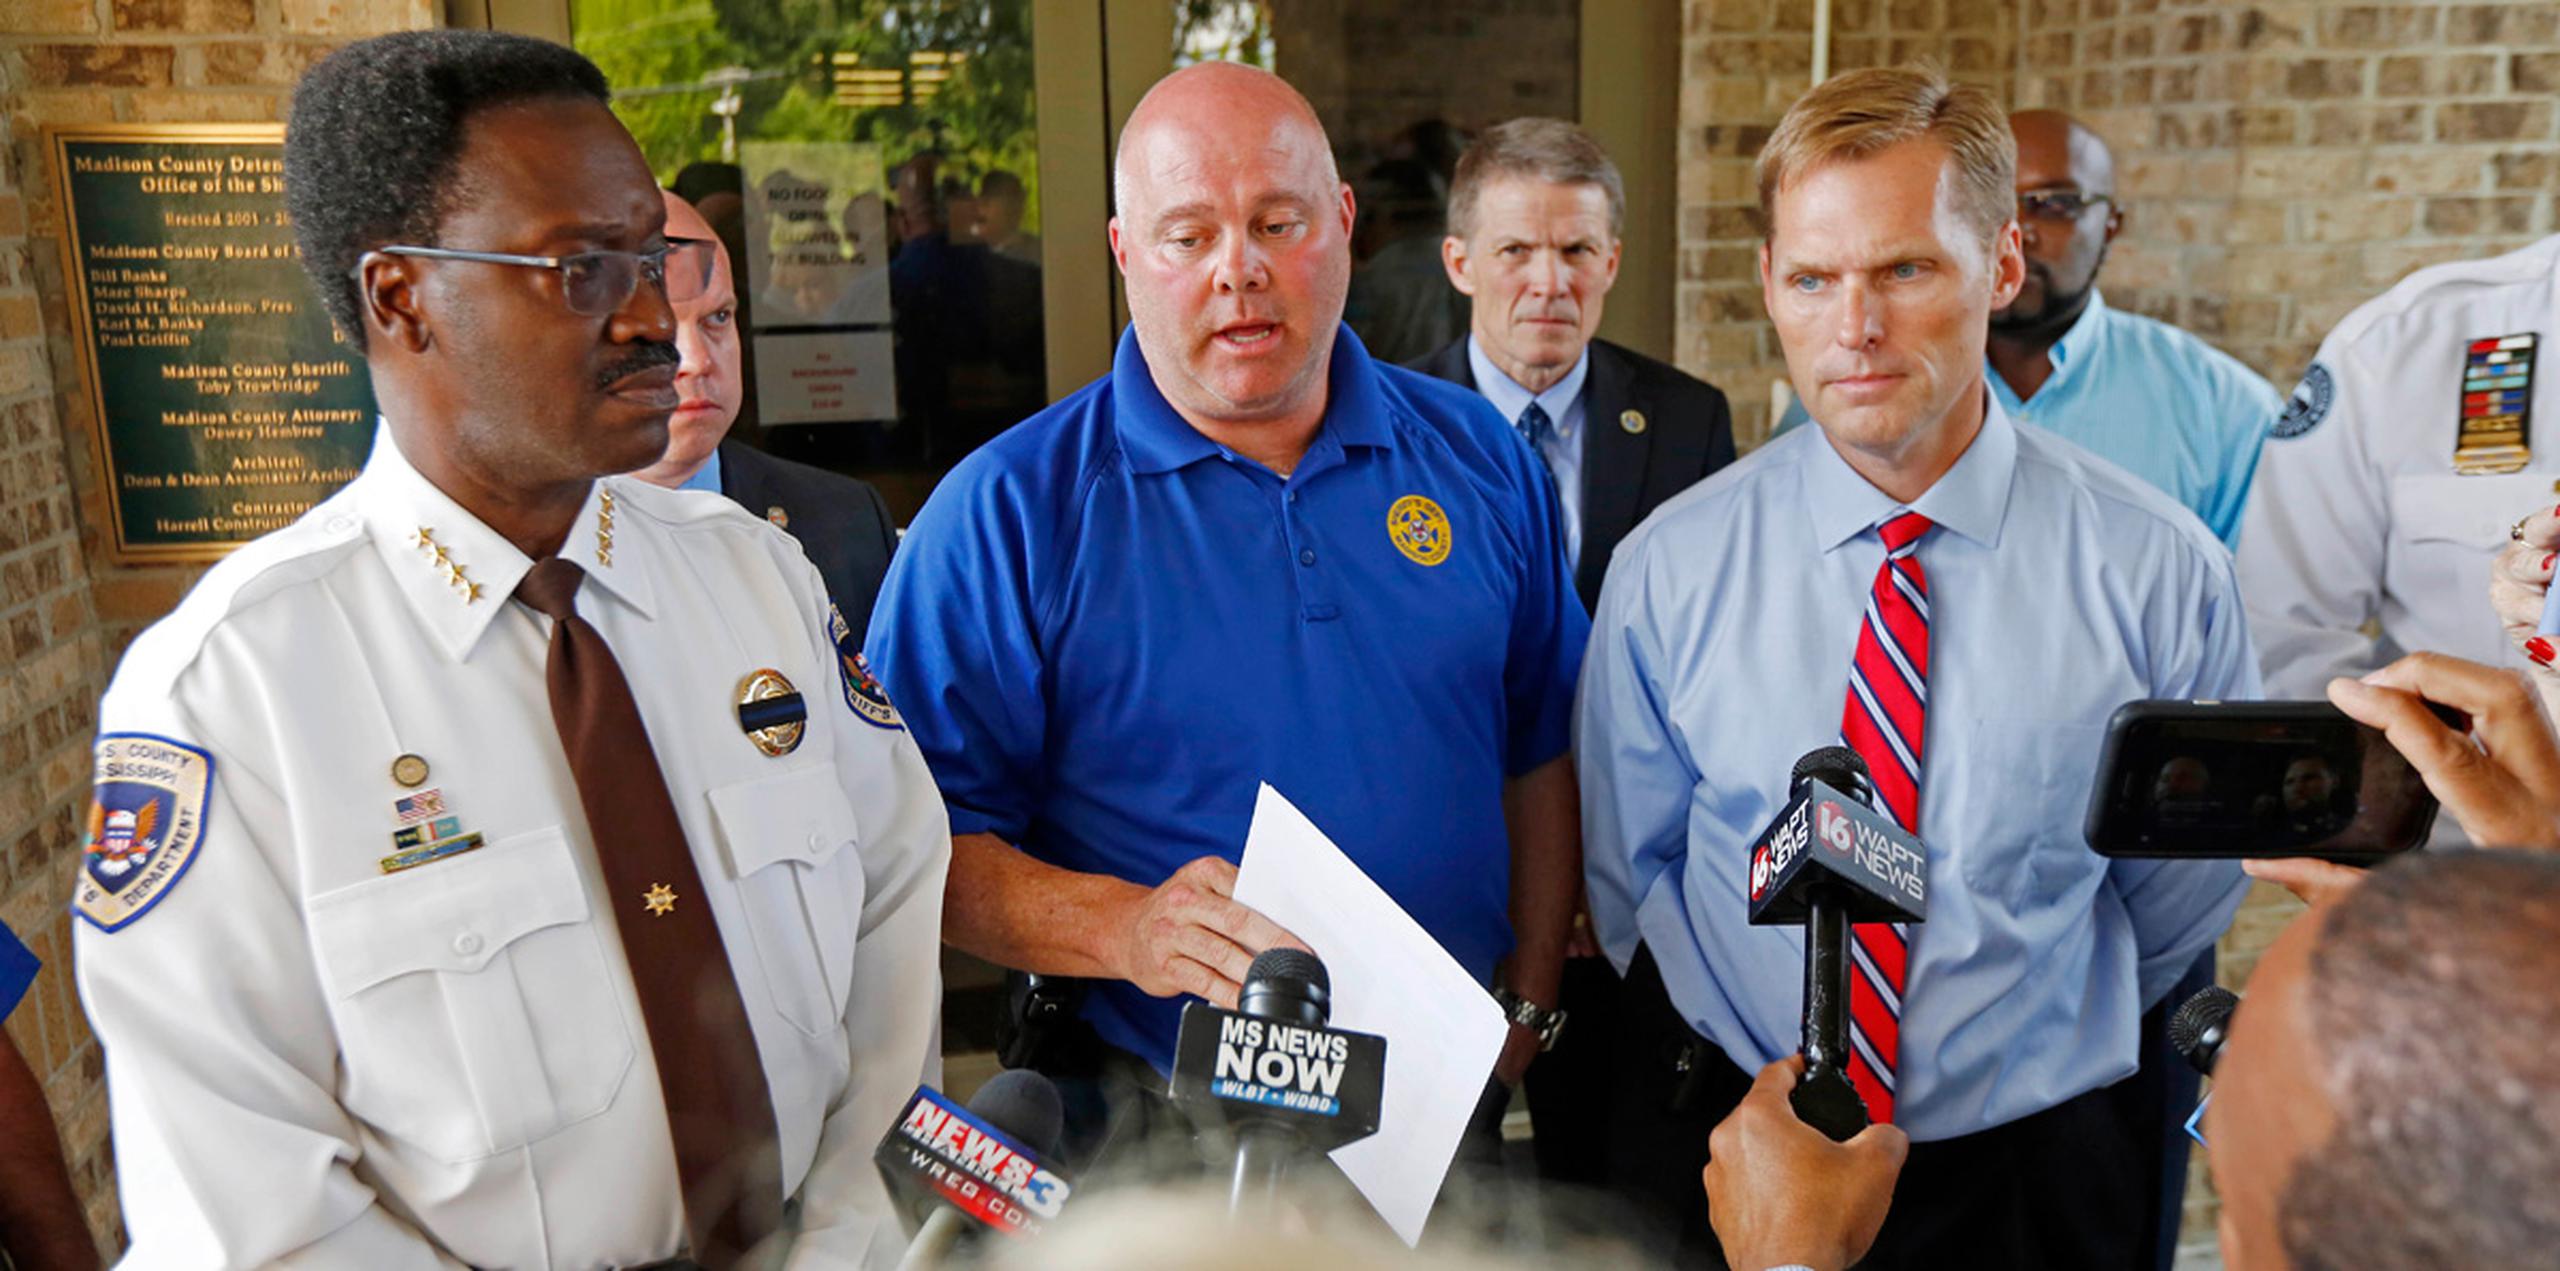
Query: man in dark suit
x,y
843,524
1534,215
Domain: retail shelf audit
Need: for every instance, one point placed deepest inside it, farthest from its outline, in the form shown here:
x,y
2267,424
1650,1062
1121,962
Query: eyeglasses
x,y
2058,205
601,282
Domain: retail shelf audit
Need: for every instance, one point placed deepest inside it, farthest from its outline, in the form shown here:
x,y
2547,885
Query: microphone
x,y
1287,1083
1869,870
2201,1024
985,1166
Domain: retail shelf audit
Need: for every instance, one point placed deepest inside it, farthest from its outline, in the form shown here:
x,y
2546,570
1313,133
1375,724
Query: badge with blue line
x,y
146,821
862,689
1419,529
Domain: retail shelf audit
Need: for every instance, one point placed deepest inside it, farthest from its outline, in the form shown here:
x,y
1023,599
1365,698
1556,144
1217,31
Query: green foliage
x,y
660,55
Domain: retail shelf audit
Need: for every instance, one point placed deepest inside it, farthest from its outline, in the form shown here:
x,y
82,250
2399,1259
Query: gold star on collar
x,y
424,540
659,900
604,527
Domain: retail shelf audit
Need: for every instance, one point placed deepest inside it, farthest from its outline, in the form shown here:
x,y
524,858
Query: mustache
x,y
648,355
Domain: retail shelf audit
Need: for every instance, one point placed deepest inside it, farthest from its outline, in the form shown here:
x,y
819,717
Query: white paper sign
x,y
826,378
817,233
1443,1030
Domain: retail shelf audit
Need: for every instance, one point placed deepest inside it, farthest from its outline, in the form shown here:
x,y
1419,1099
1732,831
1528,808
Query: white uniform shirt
x,y
2358,514
312,1059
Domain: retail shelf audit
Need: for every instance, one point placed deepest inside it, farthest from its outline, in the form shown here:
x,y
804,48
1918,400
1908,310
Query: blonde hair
x,y
1862,113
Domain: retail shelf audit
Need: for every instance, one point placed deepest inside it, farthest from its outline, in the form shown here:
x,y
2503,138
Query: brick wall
x,y
2280,163
64,613
49,685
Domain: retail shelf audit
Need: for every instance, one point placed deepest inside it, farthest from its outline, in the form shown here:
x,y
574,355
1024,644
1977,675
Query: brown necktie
x,y
718,1108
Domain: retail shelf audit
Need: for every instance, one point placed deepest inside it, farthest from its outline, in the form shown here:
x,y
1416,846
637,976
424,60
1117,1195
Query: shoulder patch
x,y
862,689
2309,404
146,823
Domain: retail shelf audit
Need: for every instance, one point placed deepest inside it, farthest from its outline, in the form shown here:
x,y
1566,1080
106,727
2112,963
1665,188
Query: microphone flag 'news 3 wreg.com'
x,y
940,1153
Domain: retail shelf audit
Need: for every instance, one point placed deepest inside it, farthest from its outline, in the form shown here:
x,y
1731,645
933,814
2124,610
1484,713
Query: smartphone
x,y
2234,779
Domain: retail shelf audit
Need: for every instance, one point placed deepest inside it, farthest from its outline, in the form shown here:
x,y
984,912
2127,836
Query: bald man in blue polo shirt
x,y
1250,553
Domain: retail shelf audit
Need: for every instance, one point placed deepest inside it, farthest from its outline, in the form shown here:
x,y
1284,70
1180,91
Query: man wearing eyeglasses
x,y
2146,396
474,872
2153,399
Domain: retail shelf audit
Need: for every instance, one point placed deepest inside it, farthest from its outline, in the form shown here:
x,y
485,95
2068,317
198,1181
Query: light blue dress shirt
x,y
1562,449
706,477
2158,402
2060,587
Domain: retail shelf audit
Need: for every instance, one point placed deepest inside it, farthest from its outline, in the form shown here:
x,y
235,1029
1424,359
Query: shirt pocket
x,y
2465,516
2031,851
785,839
477,1005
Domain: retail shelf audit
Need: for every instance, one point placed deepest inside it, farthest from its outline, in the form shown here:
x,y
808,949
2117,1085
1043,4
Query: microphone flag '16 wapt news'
x,y
1835,835
1324,1083
939,1150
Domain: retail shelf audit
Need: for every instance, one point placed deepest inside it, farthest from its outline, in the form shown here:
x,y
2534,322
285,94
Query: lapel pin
x,y
781,519
659,900
1632,420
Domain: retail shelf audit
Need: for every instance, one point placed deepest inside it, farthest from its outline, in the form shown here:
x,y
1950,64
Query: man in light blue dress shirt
x,y
2162,404
2058,587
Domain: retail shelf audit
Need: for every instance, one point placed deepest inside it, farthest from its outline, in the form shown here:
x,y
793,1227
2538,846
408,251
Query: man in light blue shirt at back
x,y
2158,402
1965,602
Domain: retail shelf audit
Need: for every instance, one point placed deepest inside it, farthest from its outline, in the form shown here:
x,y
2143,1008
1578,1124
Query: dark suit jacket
x,y
1688,433
842,523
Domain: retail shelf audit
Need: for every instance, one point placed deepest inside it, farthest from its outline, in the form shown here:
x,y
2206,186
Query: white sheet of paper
x,y
1443,1031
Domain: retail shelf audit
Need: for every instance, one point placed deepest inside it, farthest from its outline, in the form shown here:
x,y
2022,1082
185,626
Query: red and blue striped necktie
x,y
1885,722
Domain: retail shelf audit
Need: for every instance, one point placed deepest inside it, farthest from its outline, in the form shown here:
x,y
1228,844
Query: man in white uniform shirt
x,y
505,864
2397,469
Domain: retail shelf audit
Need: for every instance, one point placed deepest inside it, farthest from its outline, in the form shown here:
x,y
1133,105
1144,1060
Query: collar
x,y
457,573
706,477
1971,499
1510,397
2078,343
1157,439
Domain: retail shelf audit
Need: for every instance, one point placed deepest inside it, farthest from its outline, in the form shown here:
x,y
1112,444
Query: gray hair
x,y
1548,150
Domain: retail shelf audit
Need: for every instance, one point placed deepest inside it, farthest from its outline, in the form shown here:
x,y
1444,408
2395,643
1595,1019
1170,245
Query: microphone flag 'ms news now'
x,y
1827,860
1273,1072
985,1166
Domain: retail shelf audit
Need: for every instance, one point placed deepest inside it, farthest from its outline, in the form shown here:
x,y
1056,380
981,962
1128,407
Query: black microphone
x,y
989,1165
1288,1085
1869,870
2201,1024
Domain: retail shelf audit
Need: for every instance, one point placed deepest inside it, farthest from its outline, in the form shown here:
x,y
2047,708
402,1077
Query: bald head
x,y
2066,153
1233,233
1221,106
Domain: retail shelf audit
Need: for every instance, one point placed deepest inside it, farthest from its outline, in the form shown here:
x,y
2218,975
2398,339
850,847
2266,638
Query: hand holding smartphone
x,y
2255,779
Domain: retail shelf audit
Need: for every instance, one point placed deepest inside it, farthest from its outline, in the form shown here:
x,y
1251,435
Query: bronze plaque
x,y
221,404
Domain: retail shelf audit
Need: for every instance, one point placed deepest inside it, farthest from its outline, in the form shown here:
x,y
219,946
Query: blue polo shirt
x,y
1105,629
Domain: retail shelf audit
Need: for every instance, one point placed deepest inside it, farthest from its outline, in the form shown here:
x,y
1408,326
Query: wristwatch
x,y
1547,1024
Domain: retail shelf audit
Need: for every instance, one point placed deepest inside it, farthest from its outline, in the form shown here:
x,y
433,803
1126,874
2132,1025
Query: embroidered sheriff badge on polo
x,y
1419,529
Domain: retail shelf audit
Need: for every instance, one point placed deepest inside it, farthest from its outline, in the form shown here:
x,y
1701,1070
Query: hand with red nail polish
x,y
2520,581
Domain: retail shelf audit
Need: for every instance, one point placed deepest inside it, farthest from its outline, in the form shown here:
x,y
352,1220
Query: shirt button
x,y
1307,556
817,842
341,524
466,944
1293,496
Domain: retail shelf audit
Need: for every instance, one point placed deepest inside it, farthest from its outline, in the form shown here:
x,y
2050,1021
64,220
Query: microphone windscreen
x,y
1024,1104
1828,764
1289,964
2198,1026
